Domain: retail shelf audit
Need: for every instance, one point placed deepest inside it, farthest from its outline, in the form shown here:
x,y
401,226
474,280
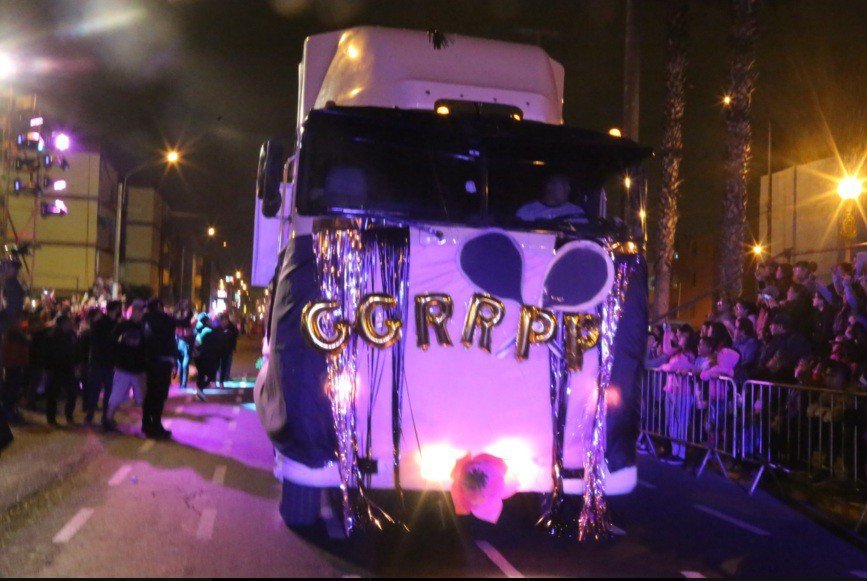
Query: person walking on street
x,y
100,361
60,361
162,355
186,336
208,351
230,344
130,363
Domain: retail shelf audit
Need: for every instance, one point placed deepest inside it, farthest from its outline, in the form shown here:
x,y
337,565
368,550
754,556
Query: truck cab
x,y
462,151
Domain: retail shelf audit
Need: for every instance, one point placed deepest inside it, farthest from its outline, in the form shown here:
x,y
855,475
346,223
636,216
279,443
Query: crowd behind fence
x,y
767,426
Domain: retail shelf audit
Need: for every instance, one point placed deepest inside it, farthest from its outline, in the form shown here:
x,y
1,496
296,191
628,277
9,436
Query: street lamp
x,y
171,157
727,100
8,68
211,231
758,250
849,189
615,132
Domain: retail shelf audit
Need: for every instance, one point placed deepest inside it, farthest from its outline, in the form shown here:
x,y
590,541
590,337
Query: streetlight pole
x,y
118,227
171,157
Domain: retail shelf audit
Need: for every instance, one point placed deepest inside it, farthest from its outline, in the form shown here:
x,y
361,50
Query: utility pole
x,y
635,196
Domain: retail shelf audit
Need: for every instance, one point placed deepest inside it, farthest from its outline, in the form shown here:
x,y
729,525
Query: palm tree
x,y
742,81
672,155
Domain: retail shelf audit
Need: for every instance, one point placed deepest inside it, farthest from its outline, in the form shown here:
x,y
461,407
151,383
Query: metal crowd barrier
x,y
815,431
693,413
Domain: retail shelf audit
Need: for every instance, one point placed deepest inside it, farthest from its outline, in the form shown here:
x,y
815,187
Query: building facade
x,y
67,253
801,216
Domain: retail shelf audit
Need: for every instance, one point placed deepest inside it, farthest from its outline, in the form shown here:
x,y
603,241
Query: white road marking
x,y
236,410
73,526
499,560
233,425
120,475
732,520
692,575
646,484
219,475
206,524
146,446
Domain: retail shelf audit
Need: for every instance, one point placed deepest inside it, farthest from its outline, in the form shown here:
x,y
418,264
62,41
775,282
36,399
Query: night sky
x,y
215,78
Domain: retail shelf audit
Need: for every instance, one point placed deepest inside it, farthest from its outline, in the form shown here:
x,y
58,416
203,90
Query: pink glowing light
x,y
62,142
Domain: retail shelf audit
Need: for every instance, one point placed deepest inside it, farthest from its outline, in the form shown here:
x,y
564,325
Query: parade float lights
x,y
437,461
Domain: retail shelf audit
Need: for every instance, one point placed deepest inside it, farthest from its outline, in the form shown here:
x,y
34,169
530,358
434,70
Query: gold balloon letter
x,y
311,323
582,333
367,328
485,321
527,335
433,310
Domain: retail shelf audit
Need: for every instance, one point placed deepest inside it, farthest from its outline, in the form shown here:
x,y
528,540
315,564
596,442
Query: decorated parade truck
x,y
451,309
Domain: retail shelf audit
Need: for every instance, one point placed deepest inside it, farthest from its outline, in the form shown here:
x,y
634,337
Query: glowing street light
x,y
758,250
443,110
212,231
8,68
727,100
849,188
173,156
238,274
615,132
627,182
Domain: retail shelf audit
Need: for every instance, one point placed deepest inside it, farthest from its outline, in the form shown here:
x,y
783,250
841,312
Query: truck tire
x,y
300,505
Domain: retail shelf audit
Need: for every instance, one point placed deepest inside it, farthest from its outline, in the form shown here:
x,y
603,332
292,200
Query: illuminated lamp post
x,y
171,157
849,189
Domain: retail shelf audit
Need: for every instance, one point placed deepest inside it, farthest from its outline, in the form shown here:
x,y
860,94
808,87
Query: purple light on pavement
x,y
59,185
62,142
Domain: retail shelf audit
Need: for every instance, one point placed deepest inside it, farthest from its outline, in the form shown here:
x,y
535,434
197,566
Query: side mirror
x,y
270,175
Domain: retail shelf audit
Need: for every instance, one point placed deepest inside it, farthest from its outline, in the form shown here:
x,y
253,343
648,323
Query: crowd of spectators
x,y
797,331
99,350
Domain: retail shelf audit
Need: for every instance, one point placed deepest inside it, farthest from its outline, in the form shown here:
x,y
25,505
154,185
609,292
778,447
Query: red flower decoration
x,y
479,486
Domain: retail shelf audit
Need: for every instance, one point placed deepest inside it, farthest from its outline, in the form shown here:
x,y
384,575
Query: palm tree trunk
x,y
672,155
742,79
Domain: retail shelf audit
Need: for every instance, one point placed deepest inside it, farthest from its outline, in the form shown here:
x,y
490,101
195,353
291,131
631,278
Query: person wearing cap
x,y
130,363
783,351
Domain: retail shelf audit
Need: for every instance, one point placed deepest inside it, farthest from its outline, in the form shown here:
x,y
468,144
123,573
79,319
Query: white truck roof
x,y
386,67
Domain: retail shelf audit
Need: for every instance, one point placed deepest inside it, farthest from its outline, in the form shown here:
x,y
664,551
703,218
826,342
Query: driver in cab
x,y
554,203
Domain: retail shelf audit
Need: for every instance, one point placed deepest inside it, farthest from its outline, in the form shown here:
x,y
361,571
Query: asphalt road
x,y
205,504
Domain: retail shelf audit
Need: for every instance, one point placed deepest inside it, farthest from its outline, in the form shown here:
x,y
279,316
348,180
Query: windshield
x,y
426,168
